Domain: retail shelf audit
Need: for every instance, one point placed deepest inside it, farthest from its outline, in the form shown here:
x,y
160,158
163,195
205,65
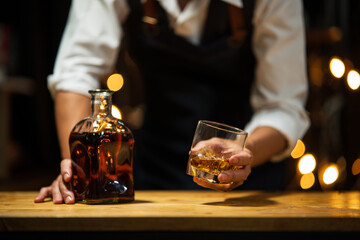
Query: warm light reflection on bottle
x,y
331,174
353,79
307,164
307,181
337,67
298,150
115,111
115,82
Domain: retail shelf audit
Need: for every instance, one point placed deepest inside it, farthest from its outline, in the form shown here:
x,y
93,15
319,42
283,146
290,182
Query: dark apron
x,y
186,83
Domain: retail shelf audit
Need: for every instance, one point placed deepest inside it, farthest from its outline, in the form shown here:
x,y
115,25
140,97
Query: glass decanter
x,y
101,148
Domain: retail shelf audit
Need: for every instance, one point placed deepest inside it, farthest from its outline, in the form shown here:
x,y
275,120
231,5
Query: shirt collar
x,y
237,3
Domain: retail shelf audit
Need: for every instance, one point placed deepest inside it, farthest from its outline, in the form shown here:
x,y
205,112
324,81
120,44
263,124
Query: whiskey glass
x,y
210,152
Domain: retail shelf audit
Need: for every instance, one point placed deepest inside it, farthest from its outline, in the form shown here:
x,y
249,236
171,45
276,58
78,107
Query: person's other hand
x,y
237,156
60,189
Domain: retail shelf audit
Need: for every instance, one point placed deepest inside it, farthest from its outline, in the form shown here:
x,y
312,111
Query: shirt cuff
x,y
293,127
72,83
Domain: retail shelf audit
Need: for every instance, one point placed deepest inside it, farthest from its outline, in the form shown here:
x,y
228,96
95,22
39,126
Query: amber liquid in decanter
x,y
101,148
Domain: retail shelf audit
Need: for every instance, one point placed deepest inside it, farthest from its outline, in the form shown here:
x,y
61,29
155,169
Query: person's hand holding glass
x,y
218,159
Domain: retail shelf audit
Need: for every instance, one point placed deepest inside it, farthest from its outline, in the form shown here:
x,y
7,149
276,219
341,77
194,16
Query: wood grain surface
x,y
188,211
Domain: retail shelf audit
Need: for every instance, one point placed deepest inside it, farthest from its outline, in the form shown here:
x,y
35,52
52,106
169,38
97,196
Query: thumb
x,y
66,171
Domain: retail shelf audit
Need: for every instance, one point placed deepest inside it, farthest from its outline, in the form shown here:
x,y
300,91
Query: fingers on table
x,y
59,191
43,193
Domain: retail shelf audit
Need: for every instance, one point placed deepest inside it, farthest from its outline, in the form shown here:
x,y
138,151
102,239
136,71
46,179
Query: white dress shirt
x,y
92,38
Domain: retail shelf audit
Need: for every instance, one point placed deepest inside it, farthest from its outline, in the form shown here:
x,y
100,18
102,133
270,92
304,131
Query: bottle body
x,y
101,148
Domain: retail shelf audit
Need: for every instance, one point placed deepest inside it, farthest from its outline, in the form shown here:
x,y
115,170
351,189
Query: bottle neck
x,y
101,103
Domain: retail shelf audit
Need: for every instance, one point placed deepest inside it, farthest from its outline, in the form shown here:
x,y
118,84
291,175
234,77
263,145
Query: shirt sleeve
x,y
280,88
89,47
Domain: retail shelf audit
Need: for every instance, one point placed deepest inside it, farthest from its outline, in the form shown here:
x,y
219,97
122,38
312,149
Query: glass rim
x,y
223,127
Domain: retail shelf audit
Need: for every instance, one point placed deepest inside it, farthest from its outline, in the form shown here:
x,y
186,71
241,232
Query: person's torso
x,y
185,83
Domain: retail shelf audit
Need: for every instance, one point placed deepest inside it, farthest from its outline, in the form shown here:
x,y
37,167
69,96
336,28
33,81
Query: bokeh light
x,y
307,164
115,82
337,67
331,174
353,79
355,168
341,164
307,180
335,34
115,111
298,150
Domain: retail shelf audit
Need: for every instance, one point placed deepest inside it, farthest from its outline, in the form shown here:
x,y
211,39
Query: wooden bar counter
x,y
189,211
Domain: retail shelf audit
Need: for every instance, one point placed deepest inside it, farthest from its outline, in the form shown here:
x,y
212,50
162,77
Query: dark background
x,y
31,32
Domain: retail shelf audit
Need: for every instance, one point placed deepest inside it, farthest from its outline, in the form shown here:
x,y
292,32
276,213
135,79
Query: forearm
x,y
265,142
70,108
